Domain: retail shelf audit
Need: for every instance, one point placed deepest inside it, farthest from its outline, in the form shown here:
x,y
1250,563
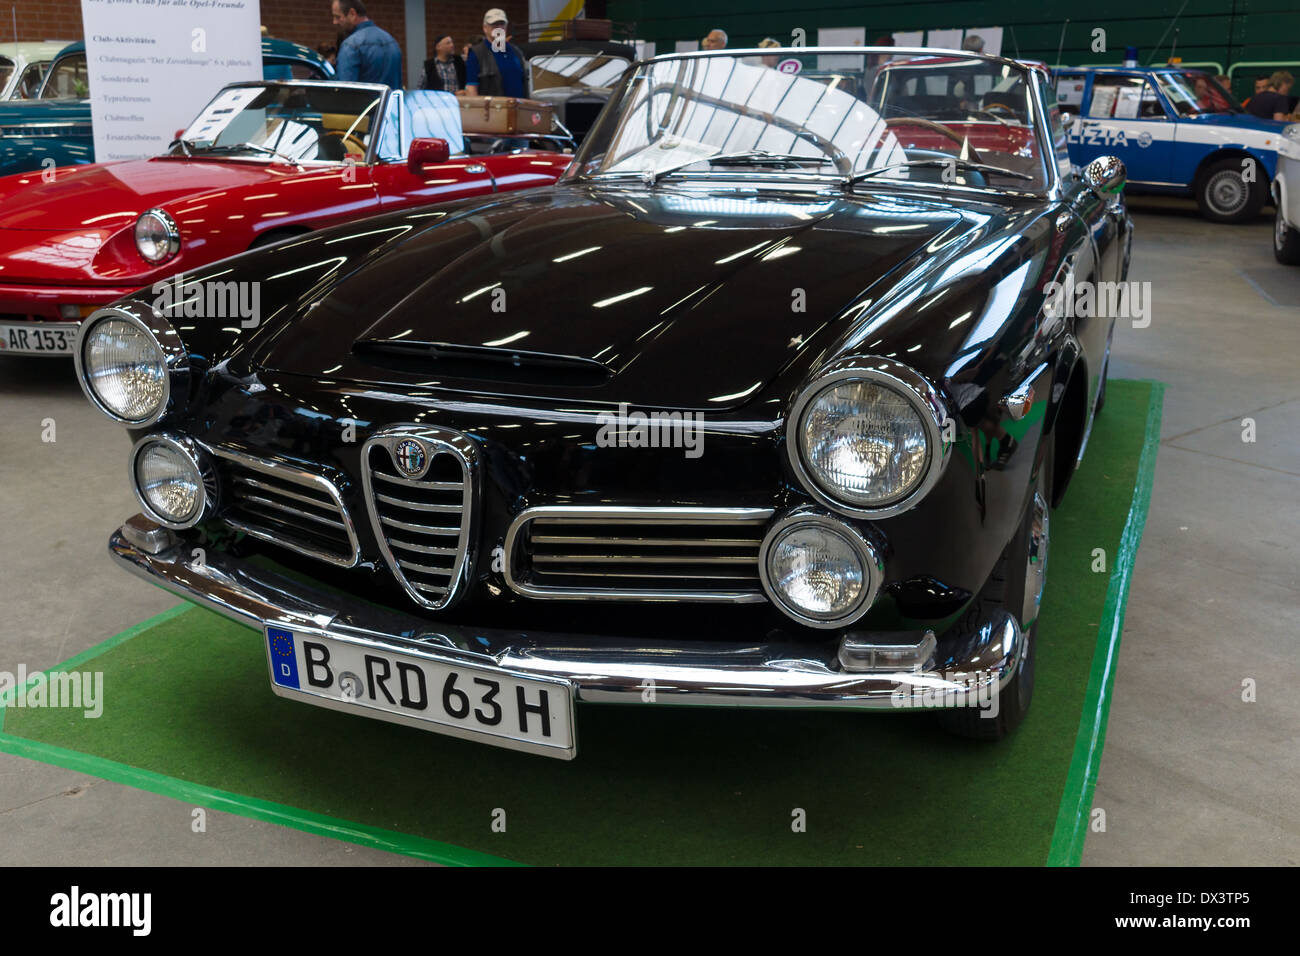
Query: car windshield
x,y
953,120
67,79
6,71
1194,93
297,123
576,72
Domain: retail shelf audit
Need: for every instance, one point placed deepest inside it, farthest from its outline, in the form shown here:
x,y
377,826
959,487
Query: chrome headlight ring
x,y
170,240
176,360
909,385
873,569
204,473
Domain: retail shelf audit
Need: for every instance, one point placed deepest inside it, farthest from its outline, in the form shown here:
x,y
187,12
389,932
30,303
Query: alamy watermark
x,y
1105,300
79,690
955,689
192,299
654,430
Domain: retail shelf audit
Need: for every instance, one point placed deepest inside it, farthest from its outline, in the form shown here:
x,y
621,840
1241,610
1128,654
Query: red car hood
x,y
105,197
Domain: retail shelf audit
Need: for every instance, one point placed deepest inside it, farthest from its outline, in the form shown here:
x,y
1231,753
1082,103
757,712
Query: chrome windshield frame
x,y
1053,187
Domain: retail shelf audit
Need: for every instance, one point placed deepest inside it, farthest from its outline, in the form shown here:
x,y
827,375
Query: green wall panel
x,y
1223,31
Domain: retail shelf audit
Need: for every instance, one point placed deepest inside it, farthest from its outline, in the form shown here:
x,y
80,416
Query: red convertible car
x,y
263,162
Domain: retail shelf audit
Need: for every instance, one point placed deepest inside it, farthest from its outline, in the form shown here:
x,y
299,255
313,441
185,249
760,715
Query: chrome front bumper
x,y
966,672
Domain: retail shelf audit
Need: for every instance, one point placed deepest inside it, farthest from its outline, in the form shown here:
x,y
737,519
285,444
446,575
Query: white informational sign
x,y
686,46
153,64
1127,102
1069,89
218,114
840,36
1103,101
992,37
944,39
911,38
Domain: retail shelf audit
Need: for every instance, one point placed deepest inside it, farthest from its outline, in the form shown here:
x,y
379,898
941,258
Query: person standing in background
x,y
1274,102
446,70
716,40
368,54
495,66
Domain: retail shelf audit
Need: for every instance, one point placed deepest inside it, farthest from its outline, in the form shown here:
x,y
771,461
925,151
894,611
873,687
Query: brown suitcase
x,y
504,115
588,29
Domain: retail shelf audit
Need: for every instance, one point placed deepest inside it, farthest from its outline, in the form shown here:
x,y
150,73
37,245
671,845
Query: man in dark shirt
x,y
1274,103
446,70
369,54
495,66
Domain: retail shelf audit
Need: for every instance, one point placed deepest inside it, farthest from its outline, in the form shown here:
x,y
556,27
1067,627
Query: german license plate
x,y
422,689
38,338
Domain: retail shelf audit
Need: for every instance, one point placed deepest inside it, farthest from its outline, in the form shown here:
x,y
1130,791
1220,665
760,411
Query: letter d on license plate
x,y
427,689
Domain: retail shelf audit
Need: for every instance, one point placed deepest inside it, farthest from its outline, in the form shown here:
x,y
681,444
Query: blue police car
x,y
1176,130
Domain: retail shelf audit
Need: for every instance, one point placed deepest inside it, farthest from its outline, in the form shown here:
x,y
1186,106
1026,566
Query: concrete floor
x,y
1192,775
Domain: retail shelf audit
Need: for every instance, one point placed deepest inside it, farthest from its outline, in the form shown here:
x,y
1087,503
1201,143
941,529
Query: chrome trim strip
x,y
747,670
416,483
436,441
258,499
910,385
292,474
419,528
417,506
638,515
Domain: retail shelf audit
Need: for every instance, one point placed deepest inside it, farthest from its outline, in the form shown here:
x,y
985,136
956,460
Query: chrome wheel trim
x,y
1036,564
1227,193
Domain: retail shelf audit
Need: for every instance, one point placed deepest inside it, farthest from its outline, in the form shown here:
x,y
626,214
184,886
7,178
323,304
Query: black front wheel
x,y
1016,585
1286,241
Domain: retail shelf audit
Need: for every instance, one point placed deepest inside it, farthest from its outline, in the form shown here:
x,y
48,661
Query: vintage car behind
x,y
1286,198
54,129
263,162
23,67
765,403
1178,133
576,77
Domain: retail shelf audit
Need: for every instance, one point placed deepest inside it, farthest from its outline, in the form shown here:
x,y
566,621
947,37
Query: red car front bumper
x,y
38,319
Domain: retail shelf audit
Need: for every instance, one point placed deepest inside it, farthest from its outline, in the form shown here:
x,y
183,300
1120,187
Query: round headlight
x,y
168,481
868,441
819,571
124,370
156,236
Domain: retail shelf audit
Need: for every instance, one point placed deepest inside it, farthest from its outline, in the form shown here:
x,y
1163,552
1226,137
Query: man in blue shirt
x,y
495,66
369,54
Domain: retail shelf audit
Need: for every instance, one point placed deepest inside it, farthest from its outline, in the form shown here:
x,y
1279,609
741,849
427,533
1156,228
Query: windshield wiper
x,y
954,161
744,157
256,147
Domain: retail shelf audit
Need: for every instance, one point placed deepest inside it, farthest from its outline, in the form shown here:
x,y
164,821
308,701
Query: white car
x,y
1286,197
23,66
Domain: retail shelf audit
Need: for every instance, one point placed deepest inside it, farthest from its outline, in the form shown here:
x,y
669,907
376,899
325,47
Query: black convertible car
x,y
766,403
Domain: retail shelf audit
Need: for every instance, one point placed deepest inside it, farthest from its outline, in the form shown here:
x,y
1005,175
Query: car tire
x,y
1286,241
1023,561
1223,195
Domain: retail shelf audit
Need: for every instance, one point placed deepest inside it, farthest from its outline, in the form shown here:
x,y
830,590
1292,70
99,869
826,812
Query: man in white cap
x,y
495,66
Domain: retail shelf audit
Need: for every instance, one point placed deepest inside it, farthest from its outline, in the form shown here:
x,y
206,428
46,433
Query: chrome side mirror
x,y
1067,120
1106,177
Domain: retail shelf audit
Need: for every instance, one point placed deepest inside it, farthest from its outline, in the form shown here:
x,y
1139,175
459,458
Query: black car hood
x,y
670,298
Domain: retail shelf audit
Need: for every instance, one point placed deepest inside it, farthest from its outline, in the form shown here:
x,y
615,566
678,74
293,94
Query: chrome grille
x,y
423,523
630,553
283,504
